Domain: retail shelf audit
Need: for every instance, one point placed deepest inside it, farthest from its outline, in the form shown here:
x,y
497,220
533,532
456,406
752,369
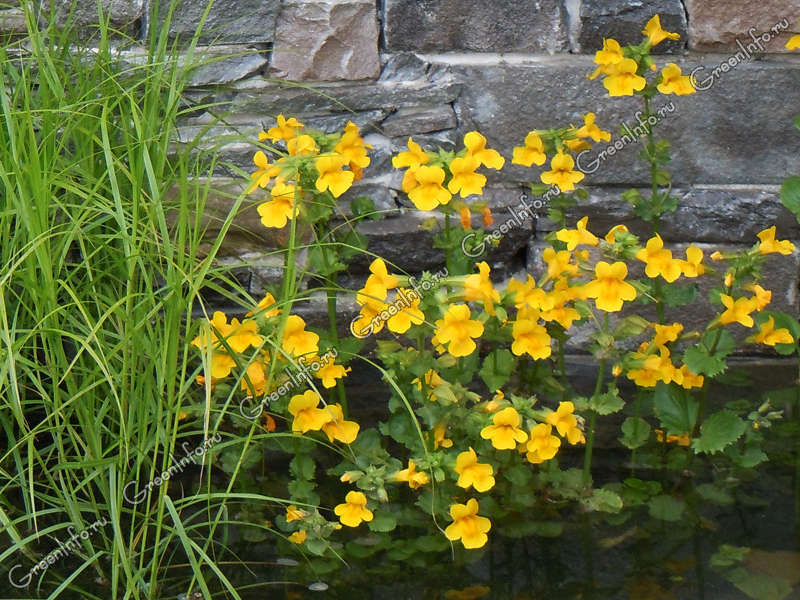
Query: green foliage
x,y
718,431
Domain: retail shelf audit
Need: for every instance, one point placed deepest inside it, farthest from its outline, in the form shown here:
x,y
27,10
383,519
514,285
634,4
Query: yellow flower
x,y
770,336
476,147
558,262
296,340
575,237
295,514
693,265
565,422
793,43
528,295
412,159
337,428
624,80
487,216
769,244
673,82
285,129
467,525
331,177
255,384
657,35
302,144
611,236
372,295
478,287
666,333
658,260
298,537
689,380
276,212
379,276
530,337
473,592
590,130
717,255
562,173
432,381
505,432
654,369
264,173
330,372
439,439
762,296
353,149
457,330
471,473
542,445
429,193
218,330
221,365
408,312
607,58
466,217
236,336
261,308
609,288
532,152
411,476
465,180
354,510
738,311
306,412
682,440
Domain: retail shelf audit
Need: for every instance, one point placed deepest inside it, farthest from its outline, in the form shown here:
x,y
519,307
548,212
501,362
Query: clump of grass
x,y
100,226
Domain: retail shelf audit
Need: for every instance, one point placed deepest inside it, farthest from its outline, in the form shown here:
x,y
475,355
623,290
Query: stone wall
x,y
436,69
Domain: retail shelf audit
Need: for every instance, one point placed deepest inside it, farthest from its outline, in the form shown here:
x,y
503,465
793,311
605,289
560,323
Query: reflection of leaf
x,y
719,430
781,563
635,432
757,586
675,408
666,508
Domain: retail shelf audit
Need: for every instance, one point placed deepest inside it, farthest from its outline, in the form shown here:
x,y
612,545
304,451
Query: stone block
x,y
455,25
718,24
419,119
326,40
123,15
737,129
228,21
624,20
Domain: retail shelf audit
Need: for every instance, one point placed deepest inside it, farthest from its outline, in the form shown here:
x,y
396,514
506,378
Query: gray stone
x,y
718,24
222,65
122,14
13,21
712,143
326,40
228,21
718,214
624,21
419,119
498,26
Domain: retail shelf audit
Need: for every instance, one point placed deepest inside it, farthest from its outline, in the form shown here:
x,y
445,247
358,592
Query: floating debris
x,y
318,586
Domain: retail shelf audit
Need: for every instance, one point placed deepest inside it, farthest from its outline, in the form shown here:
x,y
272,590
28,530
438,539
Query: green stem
x,y
587,457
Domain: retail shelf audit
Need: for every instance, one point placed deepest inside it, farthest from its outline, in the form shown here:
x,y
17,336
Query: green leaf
x,y
608,403
759,586
790,195
728,555
679,295
316,546
497,368
666,508
797,121
635,432
719,430
632,197
631,326
519,475
302,466
603,501
675,408
363,206
323,265
713,493
353,244
382,522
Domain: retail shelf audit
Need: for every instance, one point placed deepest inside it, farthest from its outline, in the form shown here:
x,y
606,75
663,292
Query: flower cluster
x,y
623,68
329,162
